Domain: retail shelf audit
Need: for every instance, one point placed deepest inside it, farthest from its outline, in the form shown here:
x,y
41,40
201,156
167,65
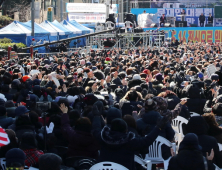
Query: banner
x,y
84,17
194,34
192,14
89,7
37,10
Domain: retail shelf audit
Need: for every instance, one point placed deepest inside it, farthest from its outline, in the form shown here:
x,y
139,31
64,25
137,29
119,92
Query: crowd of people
x,y
109,105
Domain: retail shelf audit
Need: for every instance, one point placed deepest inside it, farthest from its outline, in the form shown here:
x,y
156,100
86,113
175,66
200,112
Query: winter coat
x,y
20,130
198,125
195,105
148,122
11,111
216,132
187,160
208,143
130,106
120,147
5,121
133,83
80,143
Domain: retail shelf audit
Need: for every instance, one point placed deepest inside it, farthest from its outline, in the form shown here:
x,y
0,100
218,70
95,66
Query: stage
x,y
150,38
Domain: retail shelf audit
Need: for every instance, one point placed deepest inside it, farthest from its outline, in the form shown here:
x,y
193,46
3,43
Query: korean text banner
x,y
89,7
194,34
192,14
84,17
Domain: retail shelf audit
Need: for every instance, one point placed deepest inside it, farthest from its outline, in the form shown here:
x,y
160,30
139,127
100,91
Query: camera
x,y
43,106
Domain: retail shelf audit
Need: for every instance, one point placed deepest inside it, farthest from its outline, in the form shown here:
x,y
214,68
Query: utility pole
x,y
33,17
61,10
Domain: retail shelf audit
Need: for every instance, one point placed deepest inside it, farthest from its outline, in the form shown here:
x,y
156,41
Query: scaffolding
x,y
127,40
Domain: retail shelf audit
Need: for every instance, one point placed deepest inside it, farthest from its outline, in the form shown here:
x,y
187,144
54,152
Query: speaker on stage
x,y
209,25
181,23
153,25
167,25
193,25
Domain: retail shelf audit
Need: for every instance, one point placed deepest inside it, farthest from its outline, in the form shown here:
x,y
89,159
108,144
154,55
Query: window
x,y
46,4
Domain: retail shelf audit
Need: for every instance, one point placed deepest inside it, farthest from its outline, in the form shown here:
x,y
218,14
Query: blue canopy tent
x,y
16,32
67,32
84,29
50,27
40,33
76,31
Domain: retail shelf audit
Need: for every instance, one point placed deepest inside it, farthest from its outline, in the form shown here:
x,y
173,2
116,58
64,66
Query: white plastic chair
x,y
194,114
177,126
108,166
146,164
216,167
220,146
3,163
129,25
155,151
110,25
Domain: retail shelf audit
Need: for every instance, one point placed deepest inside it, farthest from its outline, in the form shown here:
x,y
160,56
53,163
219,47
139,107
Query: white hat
x,y
136,77
79,70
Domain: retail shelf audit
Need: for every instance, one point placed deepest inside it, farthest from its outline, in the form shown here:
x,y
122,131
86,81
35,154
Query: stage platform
x,y
150,38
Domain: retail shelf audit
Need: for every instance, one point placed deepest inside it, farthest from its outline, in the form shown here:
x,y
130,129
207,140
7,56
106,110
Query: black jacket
x,y
162,20
202,18
196,105
210,19
133,83
5,121
120,147
187,160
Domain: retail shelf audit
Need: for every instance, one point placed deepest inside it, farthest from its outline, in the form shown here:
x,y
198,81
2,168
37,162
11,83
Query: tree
x,y
21,6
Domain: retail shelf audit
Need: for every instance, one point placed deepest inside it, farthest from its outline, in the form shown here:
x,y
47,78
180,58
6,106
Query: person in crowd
x,y
190,155
210,19
29,145
4,120
202,20
206,142
162,20
15,159
81,141
214,129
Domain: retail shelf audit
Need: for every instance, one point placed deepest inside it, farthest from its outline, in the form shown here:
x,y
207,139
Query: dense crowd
x,y
109,105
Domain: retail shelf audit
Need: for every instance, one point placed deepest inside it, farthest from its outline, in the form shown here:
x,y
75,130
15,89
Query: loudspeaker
x,y
193,25
209,25
181,23
153,25
167,25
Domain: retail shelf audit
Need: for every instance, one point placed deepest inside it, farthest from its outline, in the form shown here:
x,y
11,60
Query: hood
x,y
151,117
116,138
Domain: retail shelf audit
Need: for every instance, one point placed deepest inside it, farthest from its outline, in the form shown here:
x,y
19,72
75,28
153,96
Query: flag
x,y
4,140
